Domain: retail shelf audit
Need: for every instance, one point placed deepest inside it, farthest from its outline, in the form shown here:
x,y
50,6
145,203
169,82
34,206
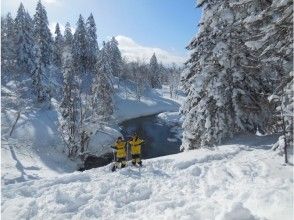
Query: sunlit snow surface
x,y
244,179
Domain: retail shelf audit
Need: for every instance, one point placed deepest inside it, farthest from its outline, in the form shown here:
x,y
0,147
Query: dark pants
x,y
121,162
136,158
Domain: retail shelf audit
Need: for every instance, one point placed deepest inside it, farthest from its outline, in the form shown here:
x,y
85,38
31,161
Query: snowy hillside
x,y
241,180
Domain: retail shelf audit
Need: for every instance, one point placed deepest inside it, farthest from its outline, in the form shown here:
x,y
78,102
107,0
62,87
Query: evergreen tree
x,y
8,53
92,45
102,90
70,108
154,72
104,63
272,41
42,34
68,37
43,54
115,57
79,48
173,80
24,41
41,89
223,98
140,73
58,47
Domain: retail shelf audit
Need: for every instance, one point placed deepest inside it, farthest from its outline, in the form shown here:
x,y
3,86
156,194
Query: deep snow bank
x,y
152,102
236,181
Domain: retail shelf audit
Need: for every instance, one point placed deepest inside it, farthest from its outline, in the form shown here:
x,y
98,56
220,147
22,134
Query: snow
x,y
153,102
170,117
243,179
33,151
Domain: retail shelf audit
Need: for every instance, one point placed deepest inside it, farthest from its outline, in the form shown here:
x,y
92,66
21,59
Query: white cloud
x,y
134,51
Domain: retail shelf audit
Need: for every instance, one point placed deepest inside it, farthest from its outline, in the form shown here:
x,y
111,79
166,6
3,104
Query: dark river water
x,y
160,139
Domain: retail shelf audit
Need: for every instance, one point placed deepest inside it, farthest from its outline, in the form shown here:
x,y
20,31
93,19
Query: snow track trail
x,y
231,182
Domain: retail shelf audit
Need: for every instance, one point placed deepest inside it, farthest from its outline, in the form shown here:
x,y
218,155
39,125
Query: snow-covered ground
x,y
244,179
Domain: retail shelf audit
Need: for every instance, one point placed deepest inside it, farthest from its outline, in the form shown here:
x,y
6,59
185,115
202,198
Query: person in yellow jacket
x,y
136,144
120,147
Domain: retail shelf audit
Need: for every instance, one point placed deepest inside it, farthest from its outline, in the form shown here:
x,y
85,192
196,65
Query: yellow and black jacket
x,y
136,145
120,149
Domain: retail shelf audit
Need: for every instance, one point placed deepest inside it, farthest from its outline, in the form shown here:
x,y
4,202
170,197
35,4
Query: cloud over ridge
x,y
134,51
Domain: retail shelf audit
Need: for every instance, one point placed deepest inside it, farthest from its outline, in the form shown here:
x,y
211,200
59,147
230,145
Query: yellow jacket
x,y
120,149
136,145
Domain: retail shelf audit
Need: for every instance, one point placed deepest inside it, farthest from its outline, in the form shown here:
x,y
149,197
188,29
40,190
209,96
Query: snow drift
x,y
235,181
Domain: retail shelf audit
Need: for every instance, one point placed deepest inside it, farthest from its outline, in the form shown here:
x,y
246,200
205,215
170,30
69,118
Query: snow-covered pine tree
x,y
8,53
105,58
223,98
102,91
173,79
252,110
42,34
139,74
68,37
79,48
41,89
272,41
43,53
58,47
24,42
70,108
162,73
115,57
125,76
92,46
80,56
154,72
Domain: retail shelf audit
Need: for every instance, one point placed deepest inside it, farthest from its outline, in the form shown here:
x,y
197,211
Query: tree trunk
x,y
12,129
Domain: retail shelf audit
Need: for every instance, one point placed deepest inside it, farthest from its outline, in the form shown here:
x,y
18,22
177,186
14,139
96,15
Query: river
x,y
160,139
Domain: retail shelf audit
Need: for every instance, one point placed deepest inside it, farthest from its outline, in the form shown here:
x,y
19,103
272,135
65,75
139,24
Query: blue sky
x,y
166,25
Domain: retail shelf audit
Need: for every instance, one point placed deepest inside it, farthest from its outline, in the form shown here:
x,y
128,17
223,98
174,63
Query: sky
x,y
141,27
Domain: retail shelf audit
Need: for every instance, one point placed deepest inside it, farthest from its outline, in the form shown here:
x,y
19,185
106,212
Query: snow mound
x,y
233,181
170,117
237,211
